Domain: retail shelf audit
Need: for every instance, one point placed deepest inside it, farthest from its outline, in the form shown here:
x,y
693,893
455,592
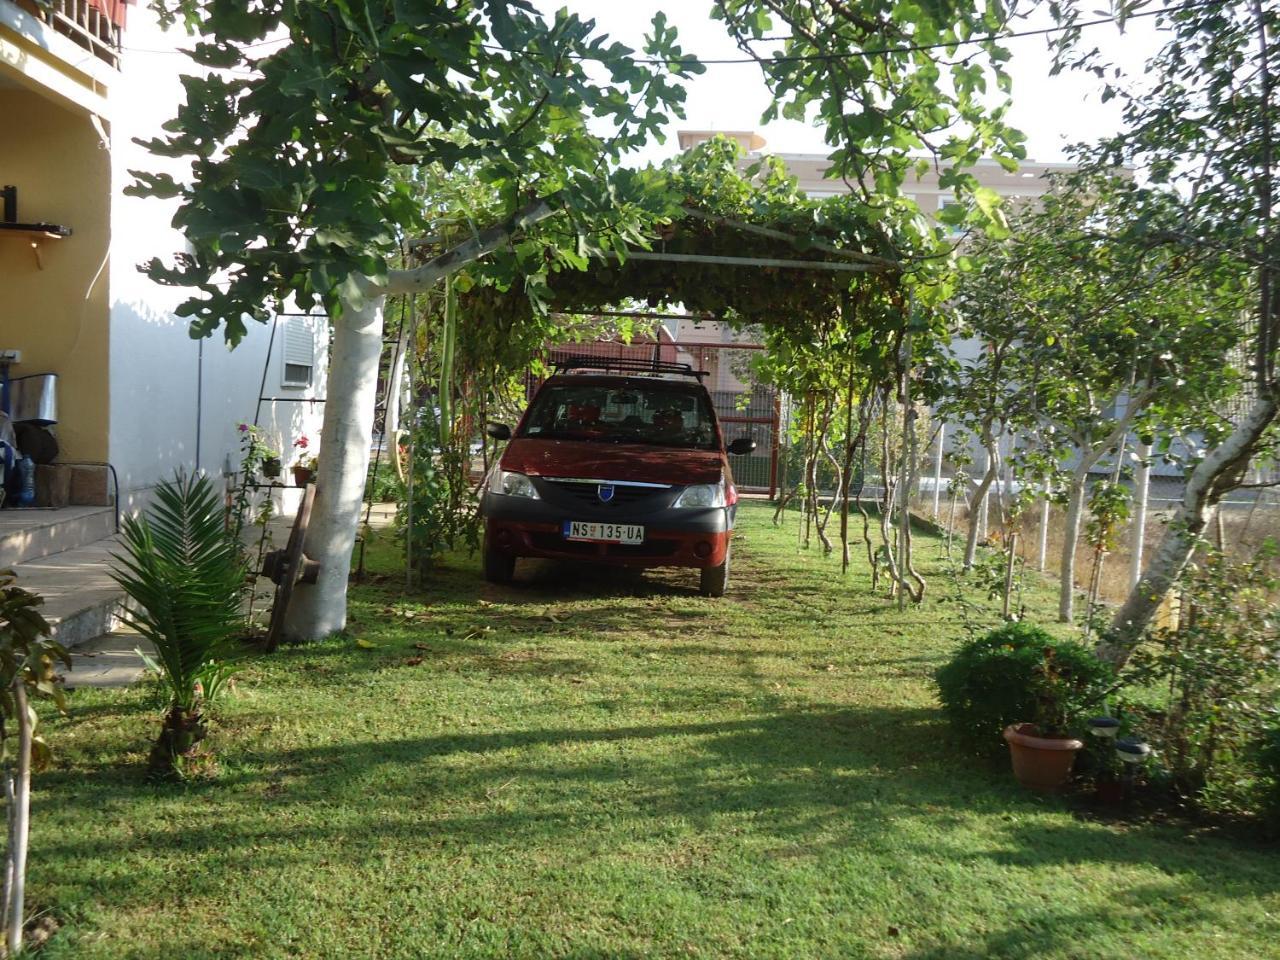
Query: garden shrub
x,y
383,486
1268,756
440,513
1220,678
1019,673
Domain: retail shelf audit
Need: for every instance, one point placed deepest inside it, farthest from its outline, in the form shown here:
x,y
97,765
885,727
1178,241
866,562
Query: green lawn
x,y
596,764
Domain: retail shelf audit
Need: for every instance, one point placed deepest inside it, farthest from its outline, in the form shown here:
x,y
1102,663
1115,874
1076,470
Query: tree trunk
x,y
835,495
907,479
1141,492
11,810
951,520
19,824
1010,560
979,499
891,492
1070,539
1004,489
910,463
1215,475
846,473
180,733
395,387
320,609
937,471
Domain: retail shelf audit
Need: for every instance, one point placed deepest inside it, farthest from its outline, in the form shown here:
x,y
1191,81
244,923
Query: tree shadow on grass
x,y
791,769
818,784
1197,899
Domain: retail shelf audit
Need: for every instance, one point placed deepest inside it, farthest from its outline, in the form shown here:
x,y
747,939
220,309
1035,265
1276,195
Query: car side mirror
x,y
499,431
742,445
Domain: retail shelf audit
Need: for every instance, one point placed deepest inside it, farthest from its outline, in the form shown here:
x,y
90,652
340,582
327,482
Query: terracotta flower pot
x,y
1040,763
303,475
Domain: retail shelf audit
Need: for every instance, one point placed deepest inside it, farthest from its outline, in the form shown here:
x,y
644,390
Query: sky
x,y
1051,111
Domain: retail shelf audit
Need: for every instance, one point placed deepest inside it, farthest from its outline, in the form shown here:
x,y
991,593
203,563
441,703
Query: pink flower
x,y
302,442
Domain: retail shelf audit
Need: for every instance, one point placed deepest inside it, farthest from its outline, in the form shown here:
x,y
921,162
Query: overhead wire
x,y
820,57
902,48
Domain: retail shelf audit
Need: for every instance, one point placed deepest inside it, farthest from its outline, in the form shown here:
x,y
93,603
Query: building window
x,y
299,354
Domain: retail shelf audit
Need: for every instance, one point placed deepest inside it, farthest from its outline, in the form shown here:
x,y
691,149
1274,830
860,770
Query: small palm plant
x,y
184,573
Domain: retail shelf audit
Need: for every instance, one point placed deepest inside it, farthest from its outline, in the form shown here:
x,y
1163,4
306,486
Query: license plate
x,y
603,532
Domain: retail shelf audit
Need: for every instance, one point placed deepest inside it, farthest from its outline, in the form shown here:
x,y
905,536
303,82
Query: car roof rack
x,y
627,365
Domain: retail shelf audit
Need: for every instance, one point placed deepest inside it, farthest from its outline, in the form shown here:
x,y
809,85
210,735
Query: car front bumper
x,y
524,527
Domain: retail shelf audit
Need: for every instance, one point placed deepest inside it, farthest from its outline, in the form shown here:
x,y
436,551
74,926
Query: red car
x,y
616,461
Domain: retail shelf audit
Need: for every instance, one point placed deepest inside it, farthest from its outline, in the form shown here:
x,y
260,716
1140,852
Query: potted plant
x,y
304,468
1043,750
255,454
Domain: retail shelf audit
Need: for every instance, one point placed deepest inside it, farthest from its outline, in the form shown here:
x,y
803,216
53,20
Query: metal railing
x,y
86,23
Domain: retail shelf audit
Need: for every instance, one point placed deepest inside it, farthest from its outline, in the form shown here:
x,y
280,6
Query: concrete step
x,y
29,534
81,601
107,661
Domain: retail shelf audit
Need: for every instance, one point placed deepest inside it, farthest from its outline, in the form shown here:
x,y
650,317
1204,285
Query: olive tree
x,y
1204,123
1093,324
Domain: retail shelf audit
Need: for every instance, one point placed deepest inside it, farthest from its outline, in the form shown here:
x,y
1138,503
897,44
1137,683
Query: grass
x,y
596,764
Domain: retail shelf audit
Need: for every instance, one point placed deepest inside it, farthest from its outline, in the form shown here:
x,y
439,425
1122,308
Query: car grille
x,y
590,493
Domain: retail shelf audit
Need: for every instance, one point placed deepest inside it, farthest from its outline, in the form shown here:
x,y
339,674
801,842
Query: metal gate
x,y
744,407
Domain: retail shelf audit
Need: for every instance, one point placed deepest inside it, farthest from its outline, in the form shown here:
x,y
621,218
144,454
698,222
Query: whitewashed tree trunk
x,y
395,389
19,825
937,470
317,610
320,609
1141,489
984,512
10,807
1044,527
978,505
1218,473
1070,540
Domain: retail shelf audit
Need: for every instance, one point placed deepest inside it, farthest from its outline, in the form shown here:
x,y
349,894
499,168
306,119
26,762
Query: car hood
x,y
640,463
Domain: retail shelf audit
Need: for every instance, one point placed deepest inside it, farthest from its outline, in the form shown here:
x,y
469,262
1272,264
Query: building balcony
x,y
93,25
67,51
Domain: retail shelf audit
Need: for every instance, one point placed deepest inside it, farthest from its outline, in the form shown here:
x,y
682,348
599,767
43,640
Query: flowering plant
x,y
305,460
254,449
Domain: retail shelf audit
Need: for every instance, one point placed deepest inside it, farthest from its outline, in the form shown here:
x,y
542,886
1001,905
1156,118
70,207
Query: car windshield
x,y
658,414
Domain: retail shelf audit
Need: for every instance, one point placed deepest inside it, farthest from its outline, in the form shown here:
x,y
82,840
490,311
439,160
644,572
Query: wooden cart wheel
x,y
291,570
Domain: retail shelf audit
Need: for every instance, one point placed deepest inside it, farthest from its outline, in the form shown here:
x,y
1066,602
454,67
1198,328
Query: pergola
x,y
789,274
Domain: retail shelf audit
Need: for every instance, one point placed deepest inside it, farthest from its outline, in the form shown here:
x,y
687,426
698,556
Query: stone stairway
x,y
64,556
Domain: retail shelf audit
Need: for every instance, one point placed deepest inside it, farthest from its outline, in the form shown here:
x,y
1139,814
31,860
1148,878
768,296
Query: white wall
x,y
169,393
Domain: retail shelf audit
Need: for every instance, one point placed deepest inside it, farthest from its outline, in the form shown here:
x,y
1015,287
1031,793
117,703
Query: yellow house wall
x,y
58,316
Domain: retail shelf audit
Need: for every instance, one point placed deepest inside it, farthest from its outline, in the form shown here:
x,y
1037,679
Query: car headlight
x,y
511,484
702,495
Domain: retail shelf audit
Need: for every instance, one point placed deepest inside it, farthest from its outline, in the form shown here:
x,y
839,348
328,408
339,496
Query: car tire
x,y
499,567
715,580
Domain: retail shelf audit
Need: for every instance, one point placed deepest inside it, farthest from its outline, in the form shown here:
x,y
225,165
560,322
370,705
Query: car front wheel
x,y
715,580
499,567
